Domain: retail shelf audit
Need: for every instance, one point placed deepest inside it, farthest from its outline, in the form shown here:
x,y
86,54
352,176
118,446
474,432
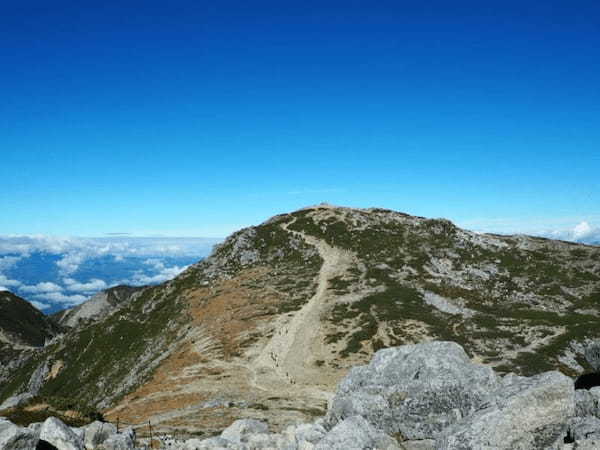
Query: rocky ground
x,y
426,396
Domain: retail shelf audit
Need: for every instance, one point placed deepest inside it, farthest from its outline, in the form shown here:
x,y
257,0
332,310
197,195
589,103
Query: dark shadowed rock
x,y
592,354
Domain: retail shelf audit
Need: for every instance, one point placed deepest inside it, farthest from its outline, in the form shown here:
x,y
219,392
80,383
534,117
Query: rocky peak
x,y
97,307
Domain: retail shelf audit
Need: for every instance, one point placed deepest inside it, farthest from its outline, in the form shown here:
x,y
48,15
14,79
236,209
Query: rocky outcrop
x,y
53,432
16,438
526,413
414,390
97,307
433,391
97,433
356,433
60,435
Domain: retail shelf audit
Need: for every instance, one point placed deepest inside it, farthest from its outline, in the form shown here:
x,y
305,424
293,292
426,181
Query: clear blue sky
x,y
195,118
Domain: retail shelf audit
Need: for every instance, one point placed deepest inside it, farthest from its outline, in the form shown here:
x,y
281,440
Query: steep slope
x,y
270,322
21,324
23,329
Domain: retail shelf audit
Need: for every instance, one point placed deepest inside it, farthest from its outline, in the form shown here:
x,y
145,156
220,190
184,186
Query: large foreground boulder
x,y
528,413
59,435
432,391
415,391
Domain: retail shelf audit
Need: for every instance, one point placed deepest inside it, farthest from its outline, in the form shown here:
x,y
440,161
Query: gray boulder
x,y
355,433
414,390
121,441
96,433
425,444
60,435
214,443
305,434
582,428
240,430
587,444
587,403
13,437
267,441
36,427
528,413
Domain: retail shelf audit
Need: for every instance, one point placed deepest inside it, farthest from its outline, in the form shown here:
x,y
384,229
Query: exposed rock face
x,y
99,306
592,354
355,433
96,433
415,390
528,413
122,441
16,438
61,436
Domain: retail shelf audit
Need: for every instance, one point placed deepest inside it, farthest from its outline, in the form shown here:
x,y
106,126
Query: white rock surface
x,y
13,437
355,433
239,430
60,435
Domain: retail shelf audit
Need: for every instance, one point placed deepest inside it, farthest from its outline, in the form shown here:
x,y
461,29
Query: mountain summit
x,y
269,323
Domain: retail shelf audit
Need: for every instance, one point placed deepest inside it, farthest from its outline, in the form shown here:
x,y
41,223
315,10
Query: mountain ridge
x,y
279,312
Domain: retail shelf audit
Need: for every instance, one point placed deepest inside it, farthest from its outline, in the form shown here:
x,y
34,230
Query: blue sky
x,y
197,118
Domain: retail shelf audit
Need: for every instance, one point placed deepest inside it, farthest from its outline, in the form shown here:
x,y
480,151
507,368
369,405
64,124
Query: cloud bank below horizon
x,y
58,272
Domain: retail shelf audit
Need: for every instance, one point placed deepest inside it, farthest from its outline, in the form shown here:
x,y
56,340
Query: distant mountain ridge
x,y
270,322
21,324
97,307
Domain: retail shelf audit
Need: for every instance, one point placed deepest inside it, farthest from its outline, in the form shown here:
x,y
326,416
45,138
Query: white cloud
x,y
6,262
46,286
582,232
164,274
59,297
94,284
119,246
40,305
70,263
71,253
8,282
2,288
